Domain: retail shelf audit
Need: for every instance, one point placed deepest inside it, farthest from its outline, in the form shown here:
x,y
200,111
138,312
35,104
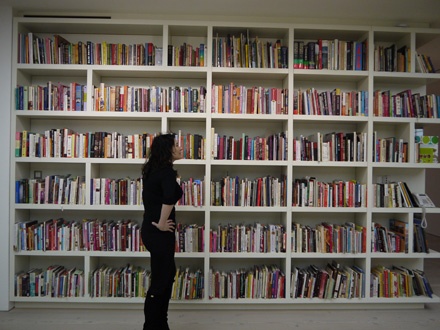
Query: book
x,y
420,239
400,228
158,56
424,64
428,149
407,196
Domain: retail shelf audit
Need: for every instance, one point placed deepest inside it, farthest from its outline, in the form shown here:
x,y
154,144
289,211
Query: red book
x,y
221,147
259,187
319,64
114,54
350,194
322,284
96,245
341,194
328,237
358,56
150,54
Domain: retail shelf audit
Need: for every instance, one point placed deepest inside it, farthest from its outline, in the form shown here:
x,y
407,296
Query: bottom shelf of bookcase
x,y
284,303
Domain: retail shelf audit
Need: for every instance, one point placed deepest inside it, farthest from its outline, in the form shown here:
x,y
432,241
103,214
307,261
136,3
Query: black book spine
x,y
170,55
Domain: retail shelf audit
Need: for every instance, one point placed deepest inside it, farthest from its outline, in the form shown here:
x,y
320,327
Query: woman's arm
x,y
164,223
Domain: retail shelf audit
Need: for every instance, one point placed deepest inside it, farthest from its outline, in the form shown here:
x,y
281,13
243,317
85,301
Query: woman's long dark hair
x,y
161,153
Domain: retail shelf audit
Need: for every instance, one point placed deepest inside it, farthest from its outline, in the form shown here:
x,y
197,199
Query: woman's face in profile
x,y
177,151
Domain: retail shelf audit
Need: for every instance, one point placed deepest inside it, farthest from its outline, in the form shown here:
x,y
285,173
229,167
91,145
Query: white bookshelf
x,y
164,33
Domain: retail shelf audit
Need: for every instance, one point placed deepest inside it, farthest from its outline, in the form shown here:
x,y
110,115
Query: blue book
x,y
17,191
45,98
438,106
78,97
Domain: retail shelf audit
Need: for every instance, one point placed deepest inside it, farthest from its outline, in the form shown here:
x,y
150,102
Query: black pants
x,y
163,270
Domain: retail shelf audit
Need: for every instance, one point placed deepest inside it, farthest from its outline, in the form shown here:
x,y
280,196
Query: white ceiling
x,y
371,12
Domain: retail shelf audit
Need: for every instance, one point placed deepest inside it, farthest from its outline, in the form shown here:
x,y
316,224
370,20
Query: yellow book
x,y
223,240
73,145
24,144
246,54
104,53
112,98
250,285
237,103
191,141
75,54
175,284
379,272
119,54
101,103
220,99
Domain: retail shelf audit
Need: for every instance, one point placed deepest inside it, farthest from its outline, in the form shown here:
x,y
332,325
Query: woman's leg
x,y
163,270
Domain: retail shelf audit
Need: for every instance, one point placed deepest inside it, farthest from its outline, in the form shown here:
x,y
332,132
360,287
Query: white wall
x,y
5,115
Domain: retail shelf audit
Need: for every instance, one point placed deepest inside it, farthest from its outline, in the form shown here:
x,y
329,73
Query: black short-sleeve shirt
x,y
159,188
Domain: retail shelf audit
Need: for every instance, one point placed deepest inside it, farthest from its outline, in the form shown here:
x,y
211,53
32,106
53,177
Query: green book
x,y
428,149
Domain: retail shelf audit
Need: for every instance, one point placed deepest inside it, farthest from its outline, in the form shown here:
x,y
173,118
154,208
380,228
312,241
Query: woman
x,y
160,193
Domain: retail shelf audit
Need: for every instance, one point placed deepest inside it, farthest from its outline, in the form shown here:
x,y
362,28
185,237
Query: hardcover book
x,y
428,149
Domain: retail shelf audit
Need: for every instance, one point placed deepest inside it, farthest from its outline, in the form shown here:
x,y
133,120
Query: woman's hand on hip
x,y
167,225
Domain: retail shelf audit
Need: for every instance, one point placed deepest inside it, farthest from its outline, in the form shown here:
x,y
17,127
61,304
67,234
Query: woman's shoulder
x,y
167,170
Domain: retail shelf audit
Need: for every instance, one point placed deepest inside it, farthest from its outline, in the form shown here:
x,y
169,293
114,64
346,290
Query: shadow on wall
x,y
433,190
433,175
